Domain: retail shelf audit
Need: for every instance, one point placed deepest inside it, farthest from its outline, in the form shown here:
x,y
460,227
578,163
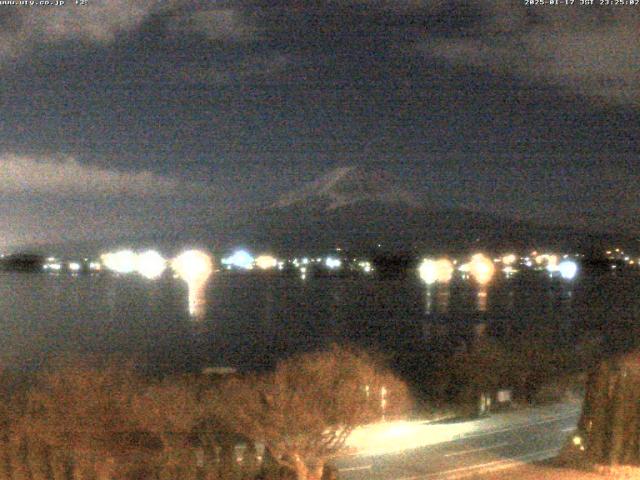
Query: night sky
x,y
119,118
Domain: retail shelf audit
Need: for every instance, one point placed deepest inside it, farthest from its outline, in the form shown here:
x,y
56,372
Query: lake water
x,y
251,320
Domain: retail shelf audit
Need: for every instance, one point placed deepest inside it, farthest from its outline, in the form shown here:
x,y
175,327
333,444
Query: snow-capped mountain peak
x,y
349,185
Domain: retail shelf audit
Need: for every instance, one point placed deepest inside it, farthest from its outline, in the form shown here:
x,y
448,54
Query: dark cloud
x,y
227,104
583,50
217,23
103,22
252,68
98,22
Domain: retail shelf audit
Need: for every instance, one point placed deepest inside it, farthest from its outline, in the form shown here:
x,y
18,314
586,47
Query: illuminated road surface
x,y
414,450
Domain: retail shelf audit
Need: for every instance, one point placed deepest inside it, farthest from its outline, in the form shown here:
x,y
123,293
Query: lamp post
x,y
383,401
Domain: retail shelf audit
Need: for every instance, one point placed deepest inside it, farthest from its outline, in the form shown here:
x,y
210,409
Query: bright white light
x,y
432,271
509,259
482,269
240,259
568,269
193,265
74,267
444,269
333,263
150,264
552,263
428,271
509,270
365,266
123,261
266,262
95,266
550,260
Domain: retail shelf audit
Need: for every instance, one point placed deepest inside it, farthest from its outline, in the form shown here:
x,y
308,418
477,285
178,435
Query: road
x,y
421,450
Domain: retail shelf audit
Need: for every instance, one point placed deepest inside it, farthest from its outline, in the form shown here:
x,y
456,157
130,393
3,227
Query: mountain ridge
x,y
360,211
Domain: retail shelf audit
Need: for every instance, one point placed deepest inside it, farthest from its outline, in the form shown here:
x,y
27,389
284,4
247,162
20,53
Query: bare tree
x,y
610,421
11,411
81,412
304,411
171,409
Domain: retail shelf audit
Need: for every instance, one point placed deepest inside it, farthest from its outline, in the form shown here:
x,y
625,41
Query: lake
x,y
251,320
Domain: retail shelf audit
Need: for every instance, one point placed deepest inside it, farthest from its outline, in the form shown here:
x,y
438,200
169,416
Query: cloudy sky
x,y
118,118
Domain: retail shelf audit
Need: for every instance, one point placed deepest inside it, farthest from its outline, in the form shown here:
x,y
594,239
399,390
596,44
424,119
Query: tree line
x,y
82,419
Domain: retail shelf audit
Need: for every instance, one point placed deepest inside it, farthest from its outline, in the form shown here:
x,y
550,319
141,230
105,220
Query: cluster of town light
x,y
244,261
54,265
194,267
482,269
620,255
333,263
565,267
151,264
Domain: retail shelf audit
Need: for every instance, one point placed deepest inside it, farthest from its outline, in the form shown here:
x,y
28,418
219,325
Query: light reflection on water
x,y
481,296
443,298
428,300
195,267
251,320
197,297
